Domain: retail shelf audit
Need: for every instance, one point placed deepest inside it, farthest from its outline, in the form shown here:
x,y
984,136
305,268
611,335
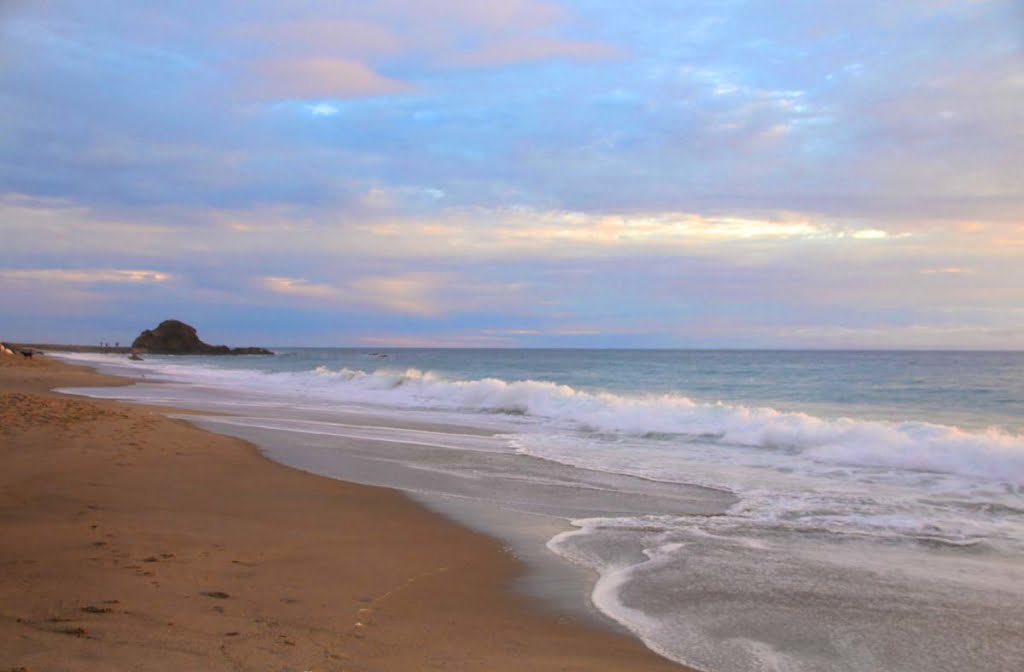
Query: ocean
x,y
736,510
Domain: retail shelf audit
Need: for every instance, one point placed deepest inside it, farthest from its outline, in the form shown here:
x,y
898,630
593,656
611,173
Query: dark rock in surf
x,y
173,337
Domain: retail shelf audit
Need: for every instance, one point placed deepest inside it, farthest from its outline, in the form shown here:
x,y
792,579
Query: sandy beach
x,y
132,541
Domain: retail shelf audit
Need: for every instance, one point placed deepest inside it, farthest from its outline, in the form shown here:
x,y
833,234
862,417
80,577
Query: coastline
x,y
134,540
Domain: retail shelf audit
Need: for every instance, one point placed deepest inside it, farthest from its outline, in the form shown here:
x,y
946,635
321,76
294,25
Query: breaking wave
x,y
991,454
912,445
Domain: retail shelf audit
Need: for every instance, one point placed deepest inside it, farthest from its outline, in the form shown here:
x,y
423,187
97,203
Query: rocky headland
x,y
173,337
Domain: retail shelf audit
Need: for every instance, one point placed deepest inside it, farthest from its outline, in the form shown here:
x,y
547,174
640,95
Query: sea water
x,y
738,510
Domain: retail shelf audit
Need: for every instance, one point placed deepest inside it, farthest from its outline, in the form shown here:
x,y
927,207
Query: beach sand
x,y
132,541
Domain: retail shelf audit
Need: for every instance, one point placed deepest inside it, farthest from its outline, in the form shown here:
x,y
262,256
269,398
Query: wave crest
x,y
912,445
991,455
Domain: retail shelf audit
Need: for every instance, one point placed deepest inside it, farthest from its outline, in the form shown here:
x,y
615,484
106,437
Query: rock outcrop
x,y
173,337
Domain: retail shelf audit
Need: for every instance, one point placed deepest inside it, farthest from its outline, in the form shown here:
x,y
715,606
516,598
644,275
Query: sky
x,y
515,173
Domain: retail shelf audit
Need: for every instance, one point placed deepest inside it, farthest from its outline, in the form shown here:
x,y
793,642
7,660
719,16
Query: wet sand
x,y
132,541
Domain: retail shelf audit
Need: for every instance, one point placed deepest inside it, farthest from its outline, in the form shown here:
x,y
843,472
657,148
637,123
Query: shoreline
x,y
119,543
43,348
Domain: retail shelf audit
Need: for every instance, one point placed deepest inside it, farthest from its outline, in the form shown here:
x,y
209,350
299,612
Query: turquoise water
x,y
875,499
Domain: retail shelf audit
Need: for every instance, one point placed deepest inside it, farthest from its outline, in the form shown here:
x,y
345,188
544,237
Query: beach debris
x,y
76,632
96,610
220,595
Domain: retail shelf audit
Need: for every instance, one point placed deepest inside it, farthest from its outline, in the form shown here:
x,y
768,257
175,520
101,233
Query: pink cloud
x,y
326,36
306,78
497,16
534,49
338,53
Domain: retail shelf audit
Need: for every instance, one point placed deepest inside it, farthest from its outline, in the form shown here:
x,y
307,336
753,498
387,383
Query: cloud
x,y
642,228
870,234
406,293
85,275
511,332
949,270
521,165
34,294
561,233
386,229
351,36
733,106
533,49
339,54
412,293
496,17
313,78
425,294
300,287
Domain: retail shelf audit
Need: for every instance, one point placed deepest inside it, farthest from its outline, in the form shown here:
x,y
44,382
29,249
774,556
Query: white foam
x,y
607,591
917,446
711,597
912,446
